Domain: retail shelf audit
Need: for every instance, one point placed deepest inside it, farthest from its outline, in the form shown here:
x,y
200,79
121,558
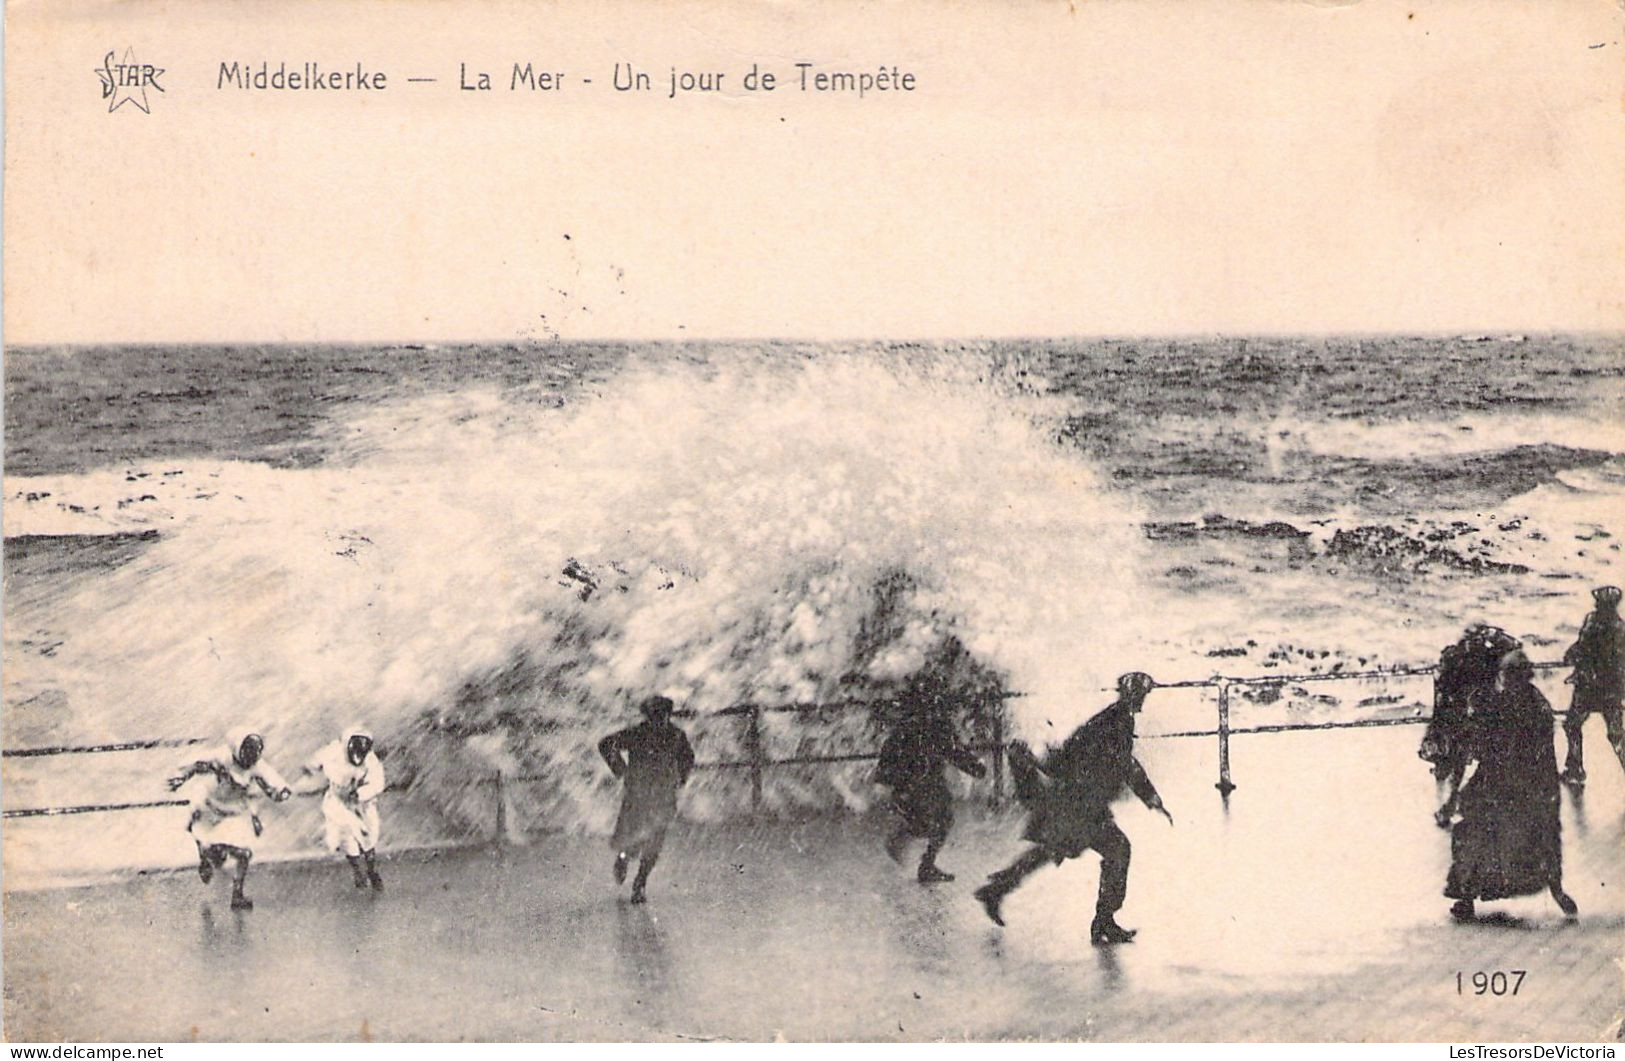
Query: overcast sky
x,y
1119,167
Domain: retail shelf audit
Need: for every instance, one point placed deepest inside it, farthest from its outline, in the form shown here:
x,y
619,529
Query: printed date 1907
x,y
1497,982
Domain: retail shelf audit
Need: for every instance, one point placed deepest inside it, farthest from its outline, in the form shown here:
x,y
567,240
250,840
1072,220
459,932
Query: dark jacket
x,y
1097,762
658,760
1598,655
1087,772
911,762
919,747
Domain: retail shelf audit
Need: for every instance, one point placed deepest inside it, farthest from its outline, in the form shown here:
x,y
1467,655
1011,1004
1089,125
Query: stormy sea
x,y
490,552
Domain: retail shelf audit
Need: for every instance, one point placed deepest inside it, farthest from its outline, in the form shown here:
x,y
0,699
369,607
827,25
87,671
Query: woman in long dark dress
x,y
1508,841
1466,671
657,761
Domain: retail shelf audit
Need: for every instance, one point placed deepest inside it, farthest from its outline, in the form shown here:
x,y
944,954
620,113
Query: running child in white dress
x,y
355,780
223,821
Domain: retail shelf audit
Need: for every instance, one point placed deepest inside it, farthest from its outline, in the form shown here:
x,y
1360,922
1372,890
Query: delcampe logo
x,y
128,81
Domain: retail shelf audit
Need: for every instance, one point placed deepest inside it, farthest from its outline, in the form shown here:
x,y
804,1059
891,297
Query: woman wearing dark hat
x,y
1508,841
1598,659
657,761
1466,670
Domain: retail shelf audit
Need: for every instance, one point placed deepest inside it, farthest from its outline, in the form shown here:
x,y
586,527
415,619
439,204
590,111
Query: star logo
x,y
128,81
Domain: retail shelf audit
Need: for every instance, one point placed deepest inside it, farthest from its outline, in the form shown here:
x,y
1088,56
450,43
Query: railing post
x,y
998,753
1225,785
753,744
502,809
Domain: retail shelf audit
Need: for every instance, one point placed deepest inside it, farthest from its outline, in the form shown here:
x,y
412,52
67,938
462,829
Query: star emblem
x,y
127,82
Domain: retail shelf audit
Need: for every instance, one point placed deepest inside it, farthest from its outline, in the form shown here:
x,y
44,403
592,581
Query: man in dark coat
x,y
1070,798
1508,841
1598,659
911,762
1466,669
657,761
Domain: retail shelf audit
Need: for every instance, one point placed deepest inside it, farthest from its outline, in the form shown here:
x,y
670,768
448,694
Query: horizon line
x,y
1486,335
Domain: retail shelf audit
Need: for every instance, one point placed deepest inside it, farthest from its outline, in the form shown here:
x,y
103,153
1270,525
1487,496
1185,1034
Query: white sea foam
x,y
740,514
1410,440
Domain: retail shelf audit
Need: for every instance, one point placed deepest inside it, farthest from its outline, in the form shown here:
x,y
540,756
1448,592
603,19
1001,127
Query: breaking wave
x,y
493,583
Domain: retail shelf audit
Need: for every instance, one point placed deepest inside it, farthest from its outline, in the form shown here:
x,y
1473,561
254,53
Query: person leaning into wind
x,y
1466,671
1070,796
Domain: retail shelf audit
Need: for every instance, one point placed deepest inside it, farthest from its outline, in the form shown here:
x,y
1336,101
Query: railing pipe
x,y
758,761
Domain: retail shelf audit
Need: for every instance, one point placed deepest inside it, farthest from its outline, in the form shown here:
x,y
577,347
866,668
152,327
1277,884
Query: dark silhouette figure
x,y
1466,669
1598,659
1508,841
657,761
1070,797
911,762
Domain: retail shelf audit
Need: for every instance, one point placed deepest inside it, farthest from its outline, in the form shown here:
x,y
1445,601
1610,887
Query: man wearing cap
x,y
1598,659
1070,797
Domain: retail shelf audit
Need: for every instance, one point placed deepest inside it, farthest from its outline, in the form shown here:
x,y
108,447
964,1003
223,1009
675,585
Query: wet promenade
x,y
1307,910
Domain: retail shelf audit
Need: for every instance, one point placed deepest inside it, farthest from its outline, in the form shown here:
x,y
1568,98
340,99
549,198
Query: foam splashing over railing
x,y
753,527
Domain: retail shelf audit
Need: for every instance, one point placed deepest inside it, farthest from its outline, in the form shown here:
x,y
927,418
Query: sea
x,y
489,552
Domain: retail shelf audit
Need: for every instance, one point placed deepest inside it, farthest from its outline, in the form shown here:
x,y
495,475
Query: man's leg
x,y
1574,770
897,841
646,866
1614,719
1114,858
377,882
1008,879
929,872
942,815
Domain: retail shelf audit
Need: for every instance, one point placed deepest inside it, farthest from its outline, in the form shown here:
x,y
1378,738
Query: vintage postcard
x,y
762,520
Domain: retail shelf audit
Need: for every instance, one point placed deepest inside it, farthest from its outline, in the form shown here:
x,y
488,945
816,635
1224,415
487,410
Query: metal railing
x,y
986,712
1223,686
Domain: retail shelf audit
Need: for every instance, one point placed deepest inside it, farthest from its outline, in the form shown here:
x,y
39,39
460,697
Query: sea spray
x,y
743,528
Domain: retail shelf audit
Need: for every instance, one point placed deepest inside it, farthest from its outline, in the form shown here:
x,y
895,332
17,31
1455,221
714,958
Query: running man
x,y
654,758
1598,659
912,762
1070,798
